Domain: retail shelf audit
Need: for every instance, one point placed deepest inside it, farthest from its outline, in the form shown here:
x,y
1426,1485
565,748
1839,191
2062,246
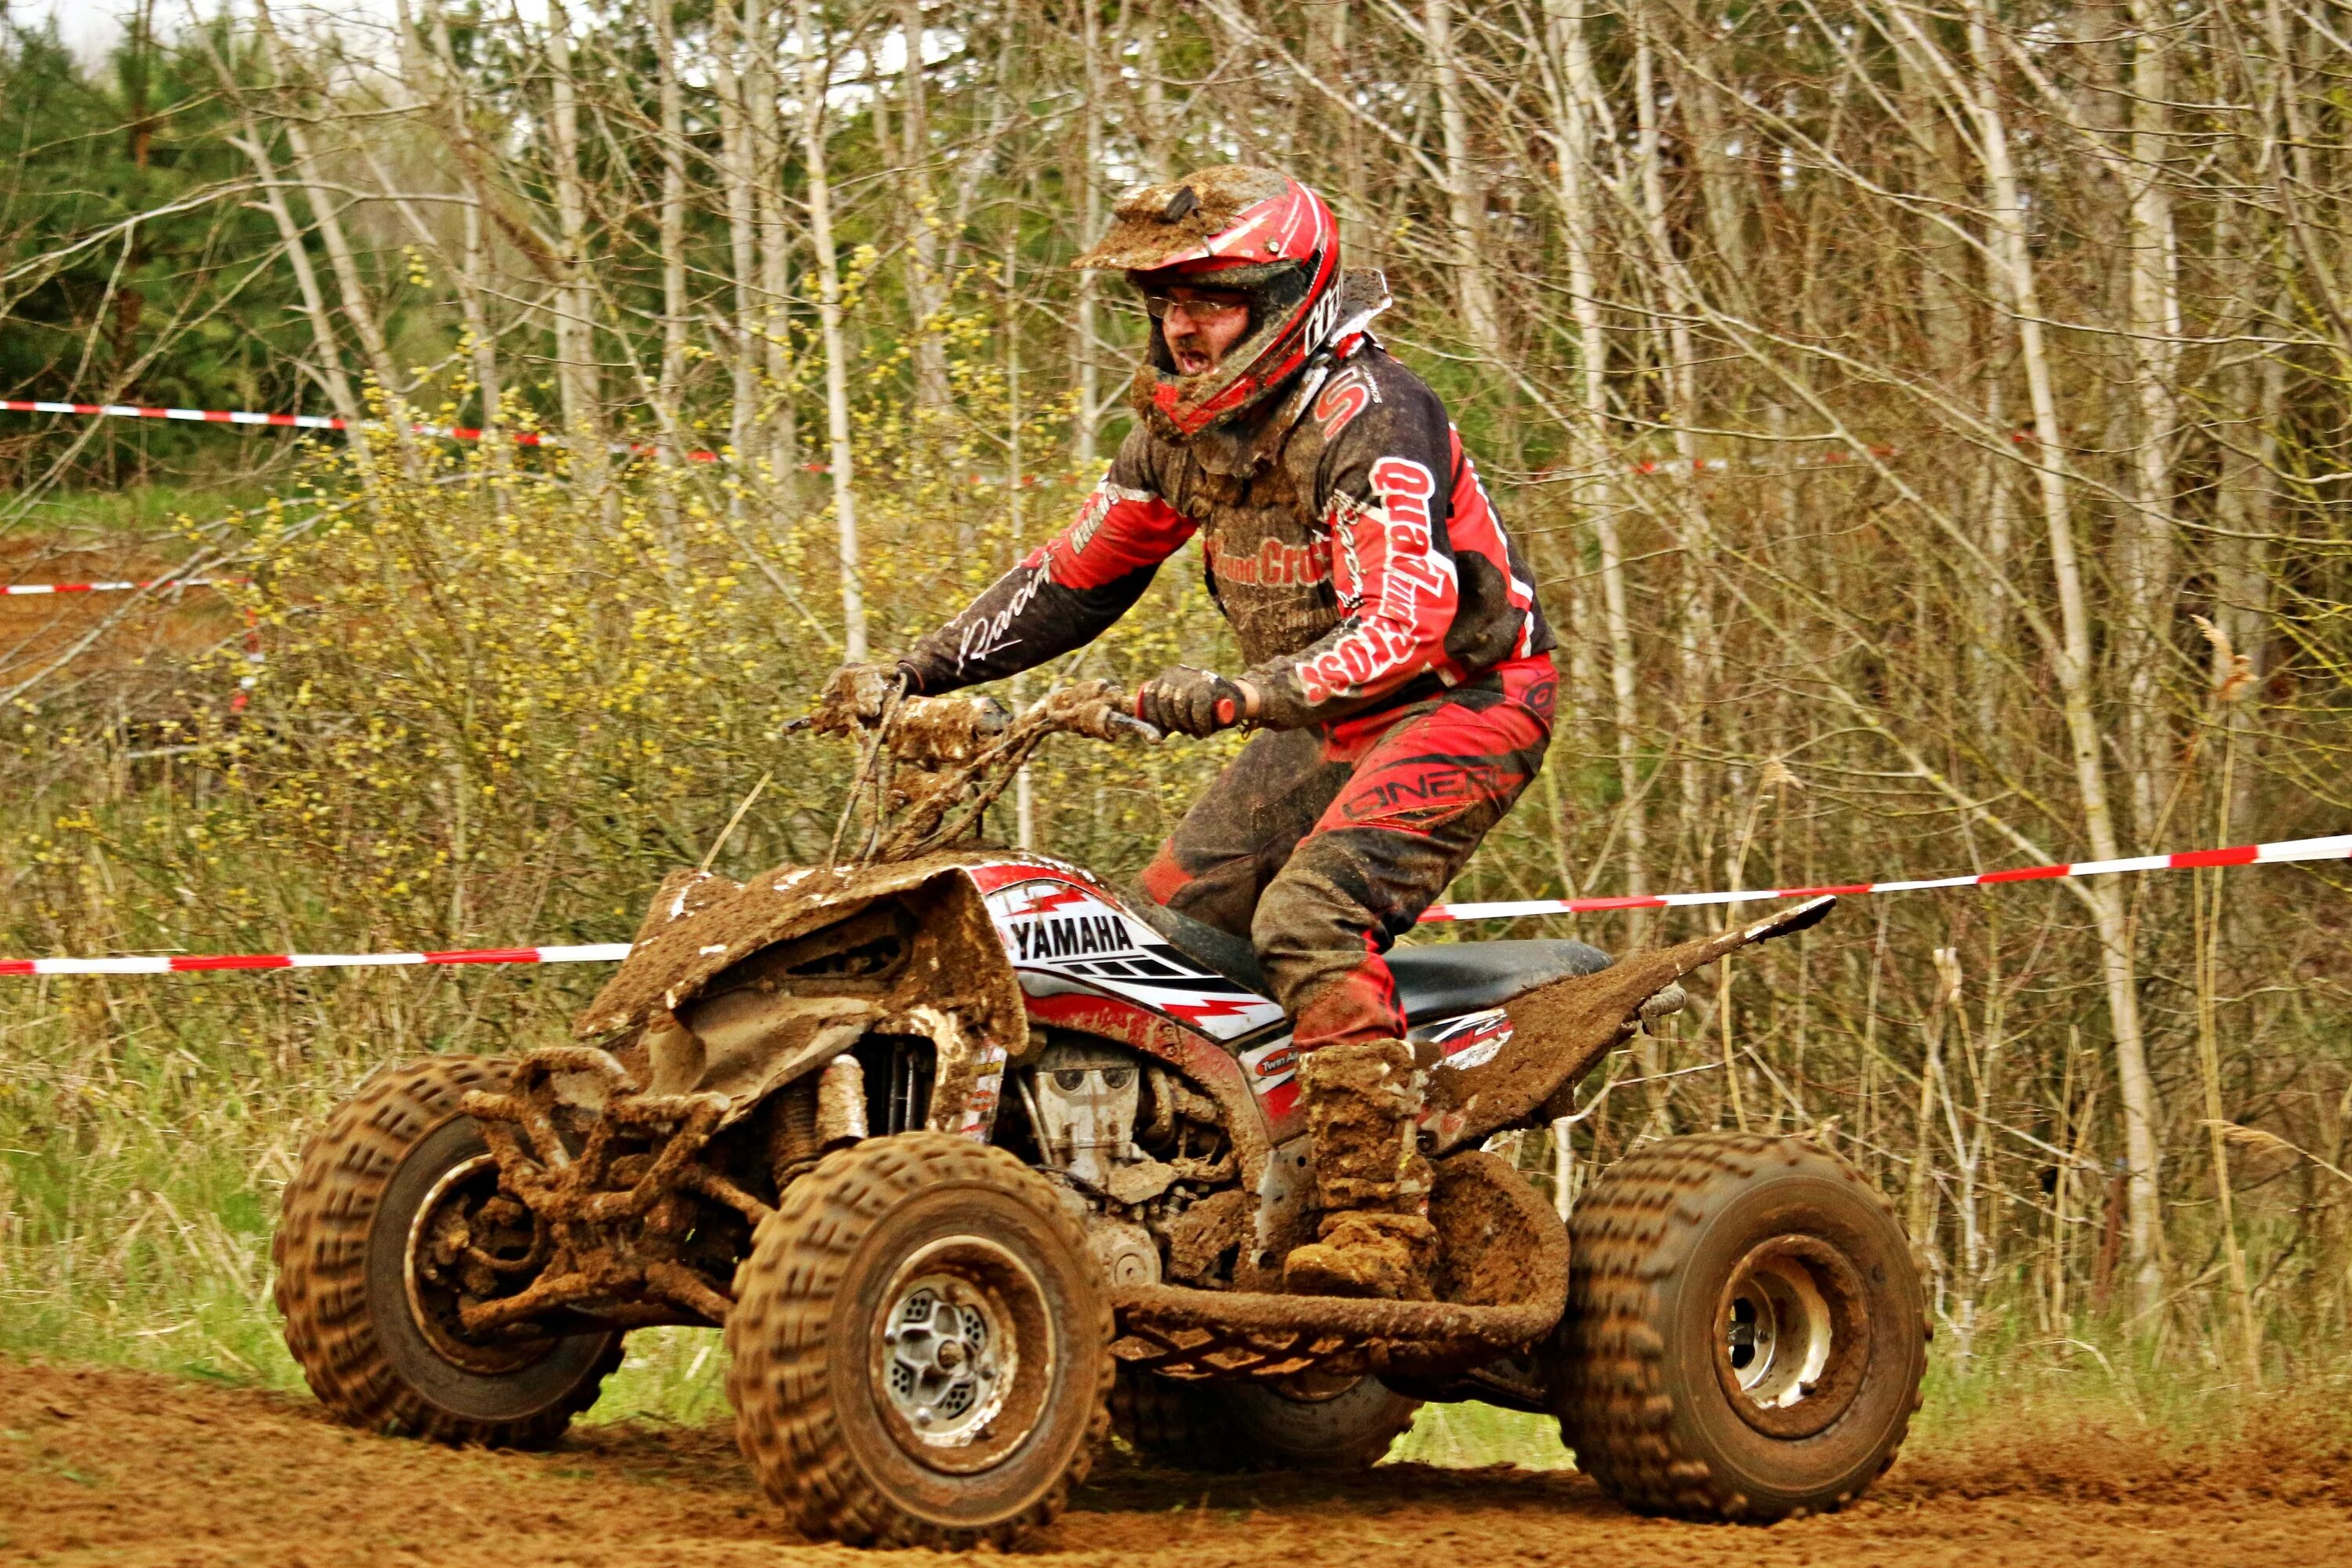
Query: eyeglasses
x,y
1157,306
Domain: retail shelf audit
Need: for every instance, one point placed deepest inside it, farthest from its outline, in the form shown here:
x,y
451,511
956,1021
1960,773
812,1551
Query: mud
x,y
170,623
124,1468
1361,1101
1143,230
698,929
1502,1247
1181,1332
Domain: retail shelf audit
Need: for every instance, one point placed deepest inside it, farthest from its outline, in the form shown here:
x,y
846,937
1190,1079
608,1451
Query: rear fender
x,y
1557,1032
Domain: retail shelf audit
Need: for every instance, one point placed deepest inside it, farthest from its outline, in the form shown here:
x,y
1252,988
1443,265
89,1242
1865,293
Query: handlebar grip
x,y
1227,712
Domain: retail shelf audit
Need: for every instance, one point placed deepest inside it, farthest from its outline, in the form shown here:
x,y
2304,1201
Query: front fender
x,y
720,1014
701,924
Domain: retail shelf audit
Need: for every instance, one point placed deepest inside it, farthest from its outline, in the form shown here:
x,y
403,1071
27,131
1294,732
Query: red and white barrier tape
x,y
314,422
186,963
2338,847
1833,458
15,588
199,415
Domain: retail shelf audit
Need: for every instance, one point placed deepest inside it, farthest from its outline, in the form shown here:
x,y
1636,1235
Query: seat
x,y
1442,980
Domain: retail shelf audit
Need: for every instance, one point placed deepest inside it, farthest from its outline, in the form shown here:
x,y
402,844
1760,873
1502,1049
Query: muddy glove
x,y
857,690
1197,701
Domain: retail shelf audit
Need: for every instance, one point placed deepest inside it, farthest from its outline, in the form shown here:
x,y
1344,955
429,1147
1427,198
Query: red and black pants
x,y
1324,845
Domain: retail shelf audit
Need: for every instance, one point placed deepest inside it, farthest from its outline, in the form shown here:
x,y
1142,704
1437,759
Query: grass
x,y
146,1137
95,519
1468,1436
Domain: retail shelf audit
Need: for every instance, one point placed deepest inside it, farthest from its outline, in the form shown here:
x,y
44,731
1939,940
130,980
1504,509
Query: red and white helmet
x,y
1253,231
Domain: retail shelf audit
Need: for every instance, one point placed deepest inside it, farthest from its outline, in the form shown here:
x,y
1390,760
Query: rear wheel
x,y
920,1348
1308,1423
392,1221
1745,1333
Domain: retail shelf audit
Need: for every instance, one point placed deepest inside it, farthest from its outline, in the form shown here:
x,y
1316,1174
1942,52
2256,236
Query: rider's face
x,y
1200,324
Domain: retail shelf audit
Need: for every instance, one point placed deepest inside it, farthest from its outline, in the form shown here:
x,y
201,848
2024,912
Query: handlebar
x,y
931,731
931,765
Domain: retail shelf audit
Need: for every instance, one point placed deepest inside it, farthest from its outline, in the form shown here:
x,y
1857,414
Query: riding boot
x,y
1375,1239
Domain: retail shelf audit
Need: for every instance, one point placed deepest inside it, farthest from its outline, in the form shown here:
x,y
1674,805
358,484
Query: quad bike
x,y
971,1159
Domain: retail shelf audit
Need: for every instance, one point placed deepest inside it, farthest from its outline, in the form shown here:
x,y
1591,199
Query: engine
x,y
1145,1157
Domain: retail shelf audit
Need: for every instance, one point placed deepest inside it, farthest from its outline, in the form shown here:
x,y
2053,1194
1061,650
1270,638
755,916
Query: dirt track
x,y
124,1468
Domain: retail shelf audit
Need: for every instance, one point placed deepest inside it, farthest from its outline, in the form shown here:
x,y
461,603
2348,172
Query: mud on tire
x,y
1745,1332
858,1420
1236,1426
341,1251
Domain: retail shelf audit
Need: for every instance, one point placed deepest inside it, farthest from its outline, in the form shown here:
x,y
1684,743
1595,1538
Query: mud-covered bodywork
x,y
736,988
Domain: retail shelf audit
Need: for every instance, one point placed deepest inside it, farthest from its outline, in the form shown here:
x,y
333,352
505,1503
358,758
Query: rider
x,y
1399,677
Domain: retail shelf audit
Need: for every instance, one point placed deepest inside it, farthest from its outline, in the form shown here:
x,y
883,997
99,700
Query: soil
x,y
39,627
117,1468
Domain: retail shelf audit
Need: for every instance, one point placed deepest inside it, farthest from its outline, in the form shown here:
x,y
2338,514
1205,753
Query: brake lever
x,y
1151,733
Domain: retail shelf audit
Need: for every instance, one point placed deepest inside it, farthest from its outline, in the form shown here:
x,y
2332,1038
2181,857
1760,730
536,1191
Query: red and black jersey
x,y
1350,545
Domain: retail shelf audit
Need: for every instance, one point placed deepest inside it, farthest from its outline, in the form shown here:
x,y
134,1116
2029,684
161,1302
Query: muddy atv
x,y
973,1159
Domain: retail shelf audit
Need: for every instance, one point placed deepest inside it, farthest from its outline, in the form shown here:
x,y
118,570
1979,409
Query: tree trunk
x,y
2241,570
1946,265
779,442
1334,133
926,294
358,307
474,268
331,372
1696,642
576,378
2072,666
1465,198
1576,104
1154,133
2152,332
736,173
1088,368
672,386
815,67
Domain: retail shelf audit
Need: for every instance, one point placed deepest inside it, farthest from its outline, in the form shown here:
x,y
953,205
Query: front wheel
x,y
393,1221
920,1348
1745,1333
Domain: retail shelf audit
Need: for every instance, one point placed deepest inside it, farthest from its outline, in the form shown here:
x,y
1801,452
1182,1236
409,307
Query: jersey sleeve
x,y
1384,487
1069,590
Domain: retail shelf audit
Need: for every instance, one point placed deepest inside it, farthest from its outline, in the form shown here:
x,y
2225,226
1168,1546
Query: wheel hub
x,y
468,1242
944,1358
961,1354
1793,1337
